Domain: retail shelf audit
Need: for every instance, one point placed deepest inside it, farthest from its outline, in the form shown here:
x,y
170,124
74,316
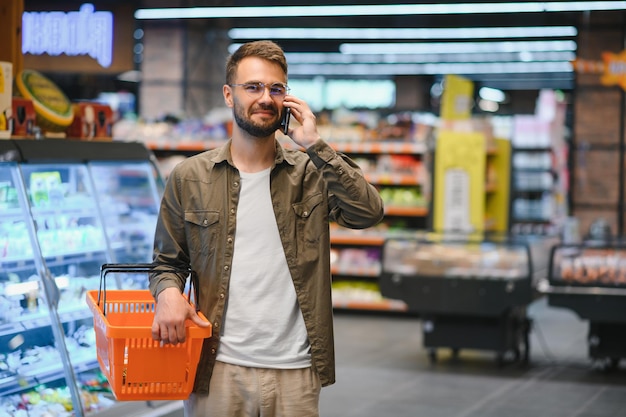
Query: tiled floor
x,y
383,370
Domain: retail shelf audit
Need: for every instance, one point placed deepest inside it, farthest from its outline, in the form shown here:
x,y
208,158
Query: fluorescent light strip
x,y
431,69
403,33
456,47
374,10
337,58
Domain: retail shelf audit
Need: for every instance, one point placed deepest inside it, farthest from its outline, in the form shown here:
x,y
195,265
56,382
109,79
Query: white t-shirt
x,y
263,325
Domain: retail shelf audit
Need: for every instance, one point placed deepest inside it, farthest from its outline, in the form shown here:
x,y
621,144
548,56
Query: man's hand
x,y
306,134
172,309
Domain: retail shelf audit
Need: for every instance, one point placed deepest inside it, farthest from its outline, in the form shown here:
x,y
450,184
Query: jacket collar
x,y
223,154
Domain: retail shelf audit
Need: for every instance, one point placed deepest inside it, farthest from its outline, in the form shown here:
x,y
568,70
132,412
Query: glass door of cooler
x,y
73,246
35,370
128,196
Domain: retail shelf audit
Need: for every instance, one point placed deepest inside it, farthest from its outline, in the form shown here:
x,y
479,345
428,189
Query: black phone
x,y
284,122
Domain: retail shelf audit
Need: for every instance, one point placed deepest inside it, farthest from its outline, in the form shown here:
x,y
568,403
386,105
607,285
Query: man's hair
x,y
267,50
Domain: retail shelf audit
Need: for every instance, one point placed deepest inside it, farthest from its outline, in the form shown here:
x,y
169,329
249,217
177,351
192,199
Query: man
x,y
251,219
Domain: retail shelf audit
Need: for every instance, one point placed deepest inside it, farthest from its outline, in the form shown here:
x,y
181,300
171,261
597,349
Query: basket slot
x,y
155,390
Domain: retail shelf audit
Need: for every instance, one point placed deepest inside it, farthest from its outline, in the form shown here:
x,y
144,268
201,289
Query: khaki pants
x,y
238,391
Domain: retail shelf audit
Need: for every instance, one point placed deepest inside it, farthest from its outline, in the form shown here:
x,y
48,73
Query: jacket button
x,y
213,351
205,222
236,184
226,268
306,213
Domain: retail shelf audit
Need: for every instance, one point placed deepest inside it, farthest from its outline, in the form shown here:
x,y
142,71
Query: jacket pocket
x,y
201,228
311,220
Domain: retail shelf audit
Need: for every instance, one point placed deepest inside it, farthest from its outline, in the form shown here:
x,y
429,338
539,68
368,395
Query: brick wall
x,y
597,146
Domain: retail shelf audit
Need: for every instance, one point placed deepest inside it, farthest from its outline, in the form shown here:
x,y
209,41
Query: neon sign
x,y
612,68
84,32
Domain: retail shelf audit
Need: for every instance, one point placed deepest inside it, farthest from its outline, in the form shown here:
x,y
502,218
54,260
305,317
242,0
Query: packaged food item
x,y
23,117
6,92
91,121
54,112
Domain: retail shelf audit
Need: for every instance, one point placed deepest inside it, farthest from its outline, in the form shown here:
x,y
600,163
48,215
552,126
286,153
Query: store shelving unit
x,y
67,207
471,182
471,292
590,279
397,169
532,205
540,169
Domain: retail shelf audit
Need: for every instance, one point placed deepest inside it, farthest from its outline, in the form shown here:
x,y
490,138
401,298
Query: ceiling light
x,y
456,47
431,69
375,9
338,58
492,94
403,33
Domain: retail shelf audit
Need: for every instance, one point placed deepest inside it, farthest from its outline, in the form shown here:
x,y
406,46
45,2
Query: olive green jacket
x,y
197,223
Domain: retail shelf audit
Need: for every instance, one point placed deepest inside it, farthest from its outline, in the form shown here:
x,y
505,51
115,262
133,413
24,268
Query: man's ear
x,y
228,96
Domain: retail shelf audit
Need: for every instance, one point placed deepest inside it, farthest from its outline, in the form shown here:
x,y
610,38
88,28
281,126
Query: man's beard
x,y
245,123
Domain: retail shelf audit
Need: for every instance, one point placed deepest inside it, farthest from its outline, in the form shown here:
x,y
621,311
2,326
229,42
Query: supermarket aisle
x,y
382,370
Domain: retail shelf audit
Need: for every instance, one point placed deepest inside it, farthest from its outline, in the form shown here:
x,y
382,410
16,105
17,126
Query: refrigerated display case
x,y
470,292
66,208
590,279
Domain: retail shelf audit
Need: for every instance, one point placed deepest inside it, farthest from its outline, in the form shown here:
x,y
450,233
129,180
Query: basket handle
x,y
139,268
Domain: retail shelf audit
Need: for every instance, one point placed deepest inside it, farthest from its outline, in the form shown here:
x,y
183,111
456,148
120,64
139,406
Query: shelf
x,y
393,179
406,211
383,305
184,146
380,147
354,239
86,209
77,256
12,213
366,272
15,263
7,329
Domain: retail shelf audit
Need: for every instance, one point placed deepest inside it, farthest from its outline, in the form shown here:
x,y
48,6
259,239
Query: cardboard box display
x,y
91,121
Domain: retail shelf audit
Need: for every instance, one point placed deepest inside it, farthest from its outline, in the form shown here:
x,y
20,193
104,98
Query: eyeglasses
x,y
256,90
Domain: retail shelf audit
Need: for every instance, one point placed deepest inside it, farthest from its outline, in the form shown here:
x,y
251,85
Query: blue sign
x,y
85,32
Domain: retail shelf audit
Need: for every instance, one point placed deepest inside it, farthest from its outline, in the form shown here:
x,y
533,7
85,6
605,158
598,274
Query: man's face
x,y
259,116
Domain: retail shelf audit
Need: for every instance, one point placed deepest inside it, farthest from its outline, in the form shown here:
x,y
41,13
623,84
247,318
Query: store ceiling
x,y
524,62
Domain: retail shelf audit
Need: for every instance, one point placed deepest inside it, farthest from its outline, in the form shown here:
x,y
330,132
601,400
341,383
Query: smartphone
x,y
284,122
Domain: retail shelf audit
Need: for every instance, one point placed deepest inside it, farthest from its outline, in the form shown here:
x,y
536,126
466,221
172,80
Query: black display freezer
x,y
590,280
66,208
470,293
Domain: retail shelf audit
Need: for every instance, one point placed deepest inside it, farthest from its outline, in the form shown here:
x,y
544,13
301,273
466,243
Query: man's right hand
x,y
172,310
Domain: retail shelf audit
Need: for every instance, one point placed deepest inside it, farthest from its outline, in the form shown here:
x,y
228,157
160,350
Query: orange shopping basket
x,y
137,367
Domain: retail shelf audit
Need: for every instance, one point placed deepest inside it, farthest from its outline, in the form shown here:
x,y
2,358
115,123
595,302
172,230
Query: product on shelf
x,y
455,260
53,108
23,119
91,121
